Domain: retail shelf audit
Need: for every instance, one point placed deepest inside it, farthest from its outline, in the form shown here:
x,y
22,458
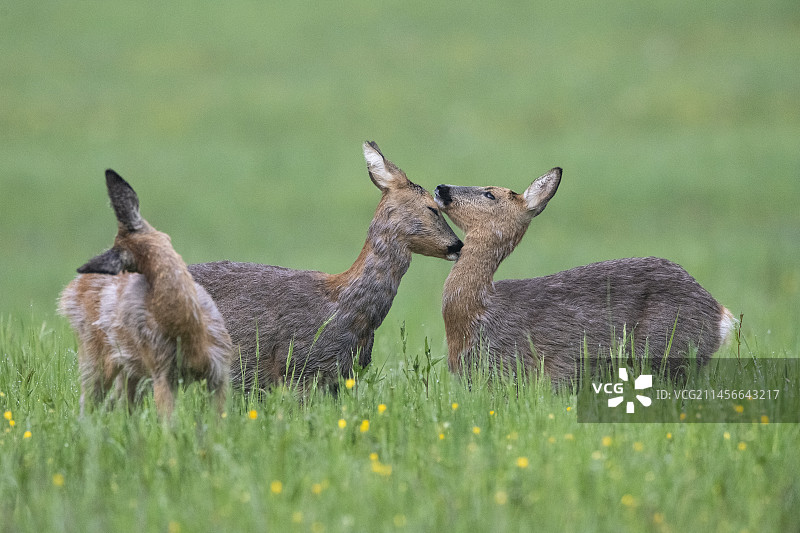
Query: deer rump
x,y
122,328
655,302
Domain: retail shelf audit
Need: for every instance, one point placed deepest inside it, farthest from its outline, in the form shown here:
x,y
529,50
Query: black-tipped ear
x,y
124,201
109,262
374,145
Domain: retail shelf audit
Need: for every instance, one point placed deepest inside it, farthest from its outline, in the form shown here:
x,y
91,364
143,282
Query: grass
x,y
433,455
239,125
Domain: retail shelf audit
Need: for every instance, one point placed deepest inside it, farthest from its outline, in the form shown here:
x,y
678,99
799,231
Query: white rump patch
x,y
727,326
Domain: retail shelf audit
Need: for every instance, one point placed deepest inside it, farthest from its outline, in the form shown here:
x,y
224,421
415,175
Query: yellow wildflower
x,y
381,469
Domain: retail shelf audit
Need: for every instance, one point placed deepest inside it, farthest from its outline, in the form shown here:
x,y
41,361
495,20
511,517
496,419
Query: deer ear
x,y
541,191
383,173
124,201
109,262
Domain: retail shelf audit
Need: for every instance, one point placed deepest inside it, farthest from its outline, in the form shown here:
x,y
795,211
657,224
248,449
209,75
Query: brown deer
x,y
139,314
300,325
551,320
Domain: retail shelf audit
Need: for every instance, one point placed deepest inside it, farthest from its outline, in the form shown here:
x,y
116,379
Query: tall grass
x,y
406,446
241,126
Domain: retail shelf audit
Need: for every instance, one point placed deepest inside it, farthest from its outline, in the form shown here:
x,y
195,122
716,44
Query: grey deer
x,y
300,325
138,314
550,320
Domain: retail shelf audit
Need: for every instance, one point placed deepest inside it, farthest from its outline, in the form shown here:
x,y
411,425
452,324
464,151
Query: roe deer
x,y
138,313
303,324
547,320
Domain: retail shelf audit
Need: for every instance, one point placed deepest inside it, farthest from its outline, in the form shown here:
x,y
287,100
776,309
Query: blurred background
x,y
240,126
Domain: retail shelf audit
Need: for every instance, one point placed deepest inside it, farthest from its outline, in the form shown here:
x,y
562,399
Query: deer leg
x,y
94,382
127,388
163,395
219,395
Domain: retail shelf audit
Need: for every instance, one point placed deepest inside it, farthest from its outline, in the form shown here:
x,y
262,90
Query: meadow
x,y
240,125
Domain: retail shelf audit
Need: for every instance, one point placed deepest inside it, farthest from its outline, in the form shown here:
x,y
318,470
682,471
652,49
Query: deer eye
x,y
489,195
434,211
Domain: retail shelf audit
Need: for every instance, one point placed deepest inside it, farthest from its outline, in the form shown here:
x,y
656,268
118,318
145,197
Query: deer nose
x,y
442,195
455,248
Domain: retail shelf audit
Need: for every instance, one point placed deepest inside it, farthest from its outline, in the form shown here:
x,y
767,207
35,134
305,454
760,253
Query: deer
x,y
138,314
549,322
304,326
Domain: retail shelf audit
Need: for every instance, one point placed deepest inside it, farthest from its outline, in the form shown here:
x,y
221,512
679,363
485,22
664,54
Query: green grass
x,y
240,124
445,457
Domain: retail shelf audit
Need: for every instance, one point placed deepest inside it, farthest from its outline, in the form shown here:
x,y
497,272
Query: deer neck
x,y
364,292
467,292
172,297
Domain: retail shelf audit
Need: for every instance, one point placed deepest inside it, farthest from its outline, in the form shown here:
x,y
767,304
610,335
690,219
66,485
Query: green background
x,y
240,126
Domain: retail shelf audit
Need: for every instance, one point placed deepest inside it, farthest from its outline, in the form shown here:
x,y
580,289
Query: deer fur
x,y
550,320
138,314
304,324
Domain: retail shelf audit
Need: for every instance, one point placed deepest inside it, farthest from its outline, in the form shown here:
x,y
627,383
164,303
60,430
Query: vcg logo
x,y
645,381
